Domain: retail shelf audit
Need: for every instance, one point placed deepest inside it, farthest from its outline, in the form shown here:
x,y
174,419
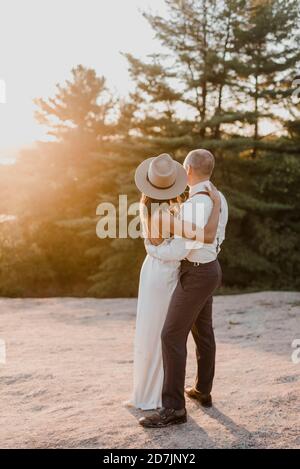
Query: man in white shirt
x,y
190,308
206,252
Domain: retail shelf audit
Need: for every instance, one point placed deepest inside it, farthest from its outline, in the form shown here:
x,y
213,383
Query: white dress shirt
x,y
196,209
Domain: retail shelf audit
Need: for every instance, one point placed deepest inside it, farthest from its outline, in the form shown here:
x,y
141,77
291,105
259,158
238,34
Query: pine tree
x,y
193,74
81,107
266,55
222,57
227,66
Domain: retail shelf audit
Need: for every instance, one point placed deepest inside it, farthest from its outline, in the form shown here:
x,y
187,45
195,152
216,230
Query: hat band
x,y
158,187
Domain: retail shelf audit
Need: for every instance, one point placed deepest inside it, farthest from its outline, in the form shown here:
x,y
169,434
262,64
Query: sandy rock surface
x,y
68,371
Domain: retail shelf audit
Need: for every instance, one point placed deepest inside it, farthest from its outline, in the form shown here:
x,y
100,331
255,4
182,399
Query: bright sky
x,y
41,40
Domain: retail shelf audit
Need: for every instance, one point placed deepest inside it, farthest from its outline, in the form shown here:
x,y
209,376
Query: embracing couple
x,y
177,281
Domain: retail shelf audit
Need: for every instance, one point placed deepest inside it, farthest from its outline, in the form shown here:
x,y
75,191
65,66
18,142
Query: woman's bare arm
x,y
210,229
191,231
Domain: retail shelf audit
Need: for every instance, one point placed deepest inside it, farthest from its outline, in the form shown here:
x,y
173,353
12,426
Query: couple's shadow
x,y
241,435
192,435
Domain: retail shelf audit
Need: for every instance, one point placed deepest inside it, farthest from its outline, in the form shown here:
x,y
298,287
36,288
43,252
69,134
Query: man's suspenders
x,y
207,193
201,192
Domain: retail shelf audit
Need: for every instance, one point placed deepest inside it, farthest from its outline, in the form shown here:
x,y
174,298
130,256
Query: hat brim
x,y
146,187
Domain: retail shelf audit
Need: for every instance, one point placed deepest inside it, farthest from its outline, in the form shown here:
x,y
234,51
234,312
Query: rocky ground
x,y
68,371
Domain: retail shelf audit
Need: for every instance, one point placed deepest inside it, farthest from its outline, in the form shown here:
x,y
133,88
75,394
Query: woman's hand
x,y
156,241
213,193
211,227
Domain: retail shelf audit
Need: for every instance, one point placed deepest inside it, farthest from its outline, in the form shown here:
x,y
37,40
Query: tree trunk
x,y
204,80
256,136
220,94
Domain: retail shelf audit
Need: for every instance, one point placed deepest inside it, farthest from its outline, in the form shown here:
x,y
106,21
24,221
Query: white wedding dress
x,y
158,279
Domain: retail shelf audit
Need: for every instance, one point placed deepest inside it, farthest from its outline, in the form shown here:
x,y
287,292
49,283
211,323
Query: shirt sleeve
x,y
174,249
197,210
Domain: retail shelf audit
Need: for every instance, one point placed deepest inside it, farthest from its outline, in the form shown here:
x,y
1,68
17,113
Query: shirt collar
x,y
198,187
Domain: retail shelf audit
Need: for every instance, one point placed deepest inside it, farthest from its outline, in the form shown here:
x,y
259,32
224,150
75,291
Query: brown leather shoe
x,y
204,399
164,418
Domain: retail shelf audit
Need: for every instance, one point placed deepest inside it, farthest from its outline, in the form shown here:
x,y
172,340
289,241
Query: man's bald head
x,y
201,162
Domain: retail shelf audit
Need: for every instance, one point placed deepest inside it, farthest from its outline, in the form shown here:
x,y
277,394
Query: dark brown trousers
x,y
190,309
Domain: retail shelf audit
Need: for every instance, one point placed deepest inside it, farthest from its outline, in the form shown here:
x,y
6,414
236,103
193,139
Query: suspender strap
x,y
204,193
218,241
201,192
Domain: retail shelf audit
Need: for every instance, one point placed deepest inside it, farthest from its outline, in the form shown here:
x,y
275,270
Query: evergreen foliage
x,y
223,80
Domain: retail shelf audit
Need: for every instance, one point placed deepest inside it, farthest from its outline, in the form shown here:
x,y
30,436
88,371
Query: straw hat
x,y
160,177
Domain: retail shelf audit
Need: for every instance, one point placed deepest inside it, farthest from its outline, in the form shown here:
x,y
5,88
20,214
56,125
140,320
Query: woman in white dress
x,y
158,278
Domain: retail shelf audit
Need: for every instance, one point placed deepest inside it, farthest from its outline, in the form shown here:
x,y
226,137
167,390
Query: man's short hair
x,y
202,161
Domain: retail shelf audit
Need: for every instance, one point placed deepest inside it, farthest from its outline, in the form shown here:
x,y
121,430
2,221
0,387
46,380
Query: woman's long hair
x,y
147,205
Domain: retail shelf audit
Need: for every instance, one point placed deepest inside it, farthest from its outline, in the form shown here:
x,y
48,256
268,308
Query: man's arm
x,y
179,248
